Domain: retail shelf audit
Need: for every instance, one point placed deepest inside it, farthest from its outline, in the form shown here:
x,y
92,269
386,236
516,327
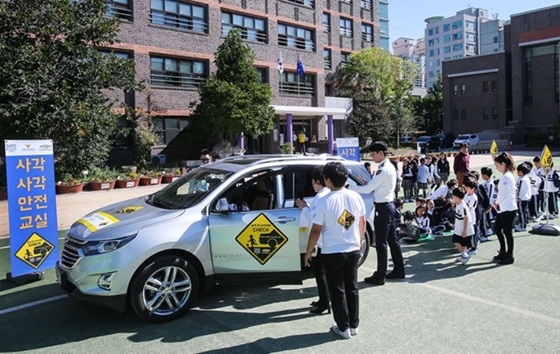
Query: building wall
x,y
464,112
491,36
529,30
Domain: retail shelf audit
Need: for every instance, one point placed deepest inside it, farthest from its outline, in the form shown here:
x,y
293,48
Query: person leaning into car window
x,y
205,157
318,184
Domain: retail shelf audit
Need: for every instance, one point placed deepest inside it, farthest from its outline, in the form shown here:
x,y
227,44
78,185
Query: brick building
x,y
172,44
515,91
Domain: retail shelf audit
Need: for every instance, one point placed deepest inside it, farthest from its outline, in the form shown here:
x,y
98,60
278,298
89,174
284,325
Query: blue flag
x,y
300,69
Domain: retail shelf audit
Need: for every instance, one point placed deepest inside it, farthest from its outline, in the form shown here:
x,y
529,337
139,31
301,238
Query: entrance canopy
x,y
308,111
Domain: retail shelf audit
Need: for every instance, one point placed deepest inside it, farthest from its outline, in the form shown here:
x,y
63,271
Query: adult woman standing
x,y
506,208
443,168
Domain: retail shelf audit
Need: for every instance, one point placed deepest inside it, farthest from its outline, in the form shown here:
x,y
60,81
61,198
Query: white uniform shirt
x,y
462,212
489,186
307,212
539,171
506,193
433,172
440,193
549,184
423,173
524,188
472,202
535,182
382,184
339,213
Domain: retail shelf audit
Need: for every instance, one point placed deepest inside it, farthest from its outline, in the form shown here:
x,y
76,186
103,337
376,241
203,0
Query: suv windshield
x,y
189,189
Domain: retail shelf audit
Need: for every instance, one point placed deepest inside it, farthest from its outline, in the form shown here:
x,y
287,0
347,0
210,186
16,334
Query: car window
x,y
189,189
254,191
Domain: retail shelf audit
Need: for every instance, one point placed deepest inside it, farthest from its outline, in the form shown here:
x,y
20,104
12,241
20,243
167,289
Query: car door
x,y
258,241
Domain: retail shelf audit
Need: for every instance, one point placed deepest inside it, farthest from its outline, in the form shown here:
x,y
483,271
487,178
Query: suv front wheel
x,y
164,289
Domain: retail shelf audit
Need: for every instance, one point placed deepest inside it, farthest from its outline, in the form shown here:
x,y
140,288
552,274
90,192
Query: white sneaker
x,y
472,252
343,334
483,239
489,232
354,331
465,259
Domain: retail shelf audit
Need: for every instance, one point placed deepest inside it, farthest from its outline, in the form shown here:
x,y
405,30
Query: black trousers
x,y
504,227
342,278
385,233
321,279
534,206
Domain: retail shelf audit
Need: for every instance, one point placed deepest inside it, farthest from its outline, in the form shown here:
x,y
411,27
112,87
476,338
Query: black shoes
x,y
375,279
315,303
507,260
395,275
319,310
499,257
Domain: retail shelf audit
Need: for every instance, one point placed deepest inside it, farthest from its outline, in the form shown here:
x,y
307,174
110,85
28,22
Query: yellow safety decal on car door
x,y
261,238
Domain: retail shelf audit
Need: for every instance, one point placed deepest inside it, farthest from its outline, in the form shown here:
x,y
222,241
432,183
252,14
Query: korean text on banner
x,y
348,148
546,158
31,205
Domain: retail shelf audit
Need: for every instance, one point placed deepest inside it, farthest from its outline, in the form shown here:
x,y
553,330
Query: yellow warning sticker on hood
x,y
130,209
98,220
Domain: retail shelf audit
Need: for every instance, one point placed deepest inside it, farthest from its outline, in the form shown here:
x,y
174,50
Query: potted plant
x,y
171,175
102,179
69,184
150,178
127,180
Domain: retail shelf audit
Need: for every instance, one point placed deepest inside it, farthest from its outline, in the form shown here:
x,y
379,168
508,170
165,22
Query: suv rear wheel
x,y
366,244
164,289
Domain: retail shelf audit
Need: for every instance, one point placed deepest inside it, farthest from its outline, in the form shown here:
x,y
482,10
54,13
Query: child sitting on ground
x,y
409,232
463,229
423,221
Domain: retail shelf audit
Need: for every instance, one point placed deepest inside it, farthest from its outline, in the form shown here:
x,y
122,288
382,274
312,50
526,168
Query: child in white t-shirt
x,y
463,229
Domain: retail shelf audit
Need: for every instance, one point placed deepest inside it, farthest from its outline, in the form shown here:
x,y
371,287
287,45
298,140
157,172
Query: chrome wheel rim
x,y
167,291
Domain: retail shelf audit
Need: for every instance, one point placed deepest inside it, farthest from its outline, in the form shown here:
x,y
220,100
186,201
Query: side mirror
x,y
222,205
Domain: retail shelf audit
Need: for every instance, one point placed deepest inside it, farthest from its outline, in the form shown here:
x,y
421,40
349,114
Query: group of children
x,y
423,175
468,210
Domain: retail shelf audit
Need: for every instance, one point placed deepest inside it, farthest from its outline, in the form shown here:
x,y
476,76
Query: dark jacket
x,y
461,163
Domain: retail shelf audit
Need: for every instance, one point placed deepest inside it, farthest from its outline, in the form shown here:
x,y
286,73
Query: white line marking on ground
x,y
6,247
519,311
31,304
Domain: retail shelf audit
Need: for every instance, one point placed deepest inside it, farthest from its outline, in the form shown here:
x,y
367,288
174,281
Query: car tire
x,y
366,245
164,289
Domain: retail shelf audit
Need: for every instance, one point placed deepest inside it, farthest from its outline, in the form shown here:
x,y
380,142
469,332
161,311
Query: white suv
x,y
465,138
230,222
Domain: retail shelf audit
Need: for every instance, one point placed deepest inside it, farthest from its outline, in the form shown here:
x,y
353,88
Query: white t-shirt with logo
x,y
339,213
461,212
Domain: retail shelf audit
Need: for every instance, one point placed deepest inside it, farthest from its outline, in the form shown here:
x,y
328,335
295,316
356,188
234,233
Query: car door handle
x,y
284,219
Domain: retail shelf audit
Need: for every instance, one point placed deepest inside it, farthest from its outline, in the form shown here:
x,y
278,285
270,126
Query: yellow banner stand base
x,y
546,229
25,278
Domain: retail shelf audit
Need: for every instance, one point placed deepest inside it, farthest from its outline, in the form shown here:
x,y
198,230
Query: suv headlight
x,y
99,247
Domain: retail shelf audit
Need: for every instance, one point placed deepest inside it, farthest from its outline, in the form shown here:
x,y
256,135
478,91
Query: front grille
x,y
70,252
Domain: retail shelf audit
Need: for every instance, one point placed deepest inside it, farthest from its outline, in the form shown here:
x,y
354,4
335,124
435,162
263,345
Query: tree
x,y
233,100
430,109
52,76
380,86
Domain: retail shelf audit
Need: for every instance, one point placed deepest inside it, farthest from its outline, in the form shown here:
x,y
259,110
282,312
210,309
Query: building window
x,y
431,53
263,75
383,27
470,37
368,5
295,37
494,86
447,49
455,114
346,1
463,114
528,76
367,32
328,90
326,22
436,30
169,127
485,113
463,89
446,27
346,27
485,86
446,38
495,113
308,3
327,58
179,14
293,84
470,25
251,28
457,24
431,43
384,43
383,10
430,32
120,9
345,57
495,39
458,35
177,72
457,47
455,90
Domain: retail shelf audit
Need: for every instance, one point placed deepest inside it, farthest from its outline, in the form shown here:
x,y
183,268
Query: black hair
x,y
459,192
452,183
475,174
523,168
317,175
336,173
487,171
408,216
378,146
421,200
418,208
422,160
506,159
469,182
215,156
496,182
529,164
398,202
204,152
464,145
536,159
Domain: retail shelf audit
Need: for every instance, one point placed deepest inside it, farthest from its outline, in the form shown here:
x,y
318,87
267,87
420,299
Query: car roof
x,y
239,163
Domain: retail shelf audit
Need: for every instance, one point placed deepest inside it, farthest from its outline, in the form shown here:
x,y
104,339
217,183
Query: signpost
x,y
32,208
348,148
546,228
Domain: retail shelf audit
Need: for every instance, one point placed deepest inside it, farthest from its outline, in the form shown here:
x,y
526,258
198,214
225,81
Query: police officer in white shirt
x,y
382,185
